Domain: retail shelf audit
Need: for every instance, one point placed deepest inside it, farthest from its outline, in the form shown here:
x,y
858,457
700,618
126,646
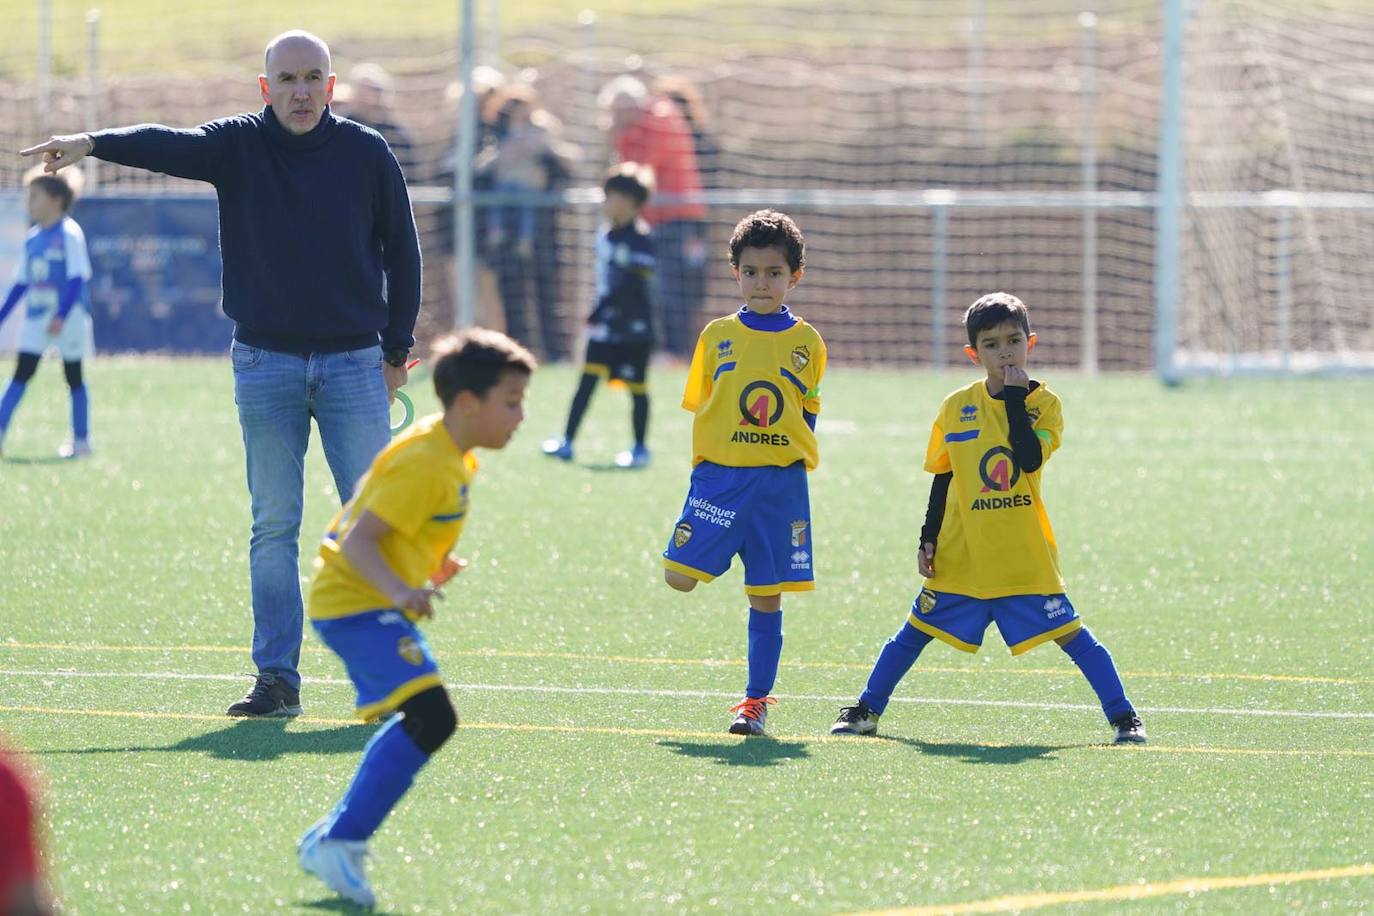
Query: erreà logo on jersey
x,y
724,349
968,413
760,404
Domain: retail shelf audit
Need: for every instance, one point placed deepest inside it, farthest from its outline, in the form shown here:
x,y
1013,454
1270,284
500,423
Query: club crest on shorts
x,y
799,533
410,650
682,534
800,357
926,602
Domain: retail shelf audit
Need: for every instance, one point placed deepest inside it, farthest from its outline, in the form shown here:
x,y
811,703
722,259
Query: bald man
x,y
322,281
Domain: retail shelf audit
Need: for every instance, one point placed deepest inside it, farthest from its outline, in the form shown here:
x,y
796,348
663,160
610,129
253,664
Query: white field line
x,y
713,694
445,654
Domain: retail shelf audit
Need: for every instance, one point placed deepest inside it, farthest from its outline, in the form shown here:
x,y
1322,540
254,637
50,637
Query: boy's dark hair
x,y
55,186
474,360
631,179
769,229
994,309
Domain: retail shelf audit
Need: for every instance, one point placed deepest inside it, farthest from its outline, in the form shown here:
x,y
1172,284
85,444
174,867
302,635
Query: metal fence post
x,y
92,91
1285,304
1169,194
939,284
1088,159
465,146
45,66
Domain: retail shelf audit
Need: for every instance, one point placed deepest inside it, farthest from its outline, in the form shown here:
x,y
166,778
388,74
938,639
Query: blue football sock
x,y
81,413
896,659
1093,659
13,393
390,762
765,648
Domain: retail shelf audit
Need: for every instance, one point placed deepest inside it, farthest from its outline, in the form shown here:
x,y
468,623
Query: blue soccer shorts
x,y
1025,621
763,514
386,656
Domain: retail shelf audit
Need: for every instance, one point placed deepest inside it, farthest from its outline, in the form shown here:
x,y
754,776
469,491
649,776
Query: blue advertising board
x,y
155,267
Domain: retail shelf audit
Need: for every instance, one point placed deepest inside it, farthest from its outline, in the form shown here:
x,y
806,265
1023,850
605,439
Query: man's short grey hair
x,y
626,85
293,36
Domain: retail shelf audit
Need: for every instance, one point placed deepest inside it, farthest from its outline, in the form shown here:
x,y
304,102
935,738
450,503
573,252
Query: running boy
x,y
620,335
54,278
754,385
380,566
998,560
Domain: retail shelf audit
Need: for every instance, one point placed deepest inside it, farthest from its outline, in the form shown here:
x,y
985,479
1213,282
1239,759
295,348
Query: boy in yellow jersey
x,y
998,560
380,566
754,385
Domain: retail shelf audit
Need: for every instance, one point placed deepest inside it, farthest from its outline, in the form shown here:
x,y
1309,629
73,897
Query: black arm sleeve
x,y
1025,445
935,509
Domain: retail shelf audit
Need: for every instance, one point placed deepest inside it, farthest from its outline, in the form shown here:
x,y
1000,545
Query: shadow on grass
x,y
751,752
252,739
339,905
47,459
605,466
980,753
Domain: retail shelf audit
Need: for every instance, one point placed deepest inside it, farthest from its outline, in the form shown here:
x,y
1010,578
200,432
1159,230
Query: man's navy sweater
x,y
316,231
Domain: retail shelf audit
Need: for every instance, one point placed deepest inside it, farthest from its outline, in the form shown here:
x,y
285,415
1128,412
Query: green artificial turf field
x,y
1216,537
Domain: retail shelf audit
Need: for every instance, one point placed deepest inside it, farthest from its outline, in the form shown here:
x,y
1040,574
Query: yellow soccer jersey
x,y
748,389
995,539
419,486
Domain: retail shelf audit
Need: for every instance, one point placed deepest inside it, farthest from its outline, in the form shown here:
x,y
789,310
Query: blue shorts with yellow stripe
x,y
386,656
1025,621
763,514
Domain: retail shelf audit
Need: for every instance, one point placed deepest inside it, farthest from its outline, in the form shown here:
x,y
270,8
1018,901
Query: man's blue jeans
x,y
277,394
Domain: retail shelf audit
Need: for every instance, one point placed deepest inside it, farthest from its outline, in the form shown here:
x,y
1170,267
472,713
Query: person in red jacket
x,y
650,129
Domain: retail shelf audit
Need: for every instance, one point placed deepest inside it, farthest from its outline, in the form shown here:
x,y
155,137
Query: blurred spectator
x,y
688,100
439,278
652,130
515,163
528,277
369,103
21,885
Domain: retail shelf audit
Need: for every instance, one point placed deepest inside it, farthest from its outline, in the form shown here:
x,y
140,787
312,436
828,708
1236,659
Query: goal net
x,y
1279,147
931,152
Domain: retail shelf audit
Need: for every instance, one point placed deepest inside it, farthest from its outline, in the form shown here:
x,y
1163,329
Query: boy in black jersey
x,y
620,335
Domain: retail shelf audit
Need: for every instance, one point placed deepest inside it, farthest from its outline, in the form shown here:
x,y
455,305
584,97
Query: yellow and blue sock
x,y
898,655
1093,659
765,649
390,762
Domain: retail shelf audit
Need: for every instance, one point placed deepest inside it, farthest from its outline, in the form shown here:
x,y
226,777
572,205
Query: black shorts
x,y
626,362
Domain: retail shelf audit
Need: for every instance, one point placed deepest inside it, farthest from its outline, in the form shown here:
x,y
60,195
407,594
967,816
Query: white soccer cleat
x,y
637,457
338,863
77,448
